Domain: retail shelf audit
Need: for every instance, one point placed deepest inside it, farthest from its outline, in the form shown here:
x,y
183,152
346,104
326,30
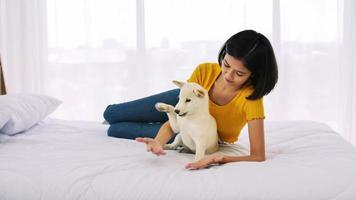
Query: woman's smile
x,y
228,81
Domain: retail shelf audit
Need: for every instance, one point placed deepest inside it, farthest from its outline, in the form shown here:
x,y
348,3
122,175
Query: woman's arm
x,y
156,145
257,144
164,134
257,149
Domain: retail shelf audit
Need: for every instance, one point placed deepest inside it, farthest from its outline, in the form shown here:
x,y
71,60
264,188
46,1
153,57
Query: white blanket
x,y
77,160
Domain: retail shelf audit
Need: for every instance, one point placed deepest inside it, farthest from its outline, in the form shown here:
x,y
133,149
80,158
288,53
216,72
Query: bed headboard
x,y
2,82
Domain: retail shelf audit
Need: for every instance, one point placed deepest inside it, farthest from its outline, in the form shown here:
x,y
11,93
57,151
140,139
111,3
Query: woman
x,y
246,71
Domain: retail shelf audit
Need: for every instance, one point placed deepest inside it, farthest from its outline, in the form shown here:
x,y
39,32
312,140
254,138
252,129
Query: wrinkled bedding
x,y
59,159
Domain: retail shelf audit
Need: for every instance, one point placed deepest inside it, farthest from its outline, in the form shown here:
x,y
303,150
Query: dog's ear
x,y
199,93
178,83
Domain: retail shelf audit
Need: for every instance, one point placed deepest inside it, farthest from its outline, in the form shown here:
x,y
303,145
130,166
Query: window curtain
x,y
91,53
23,44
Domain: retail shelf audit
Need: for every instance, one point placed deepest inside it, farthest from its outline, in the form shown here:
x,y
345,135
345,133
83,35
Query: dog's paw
x,y
162,107
170,147
185,150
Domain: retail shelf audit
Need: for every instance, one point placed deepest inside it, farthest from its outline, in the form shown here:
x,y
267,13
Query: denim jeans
x,y
139,118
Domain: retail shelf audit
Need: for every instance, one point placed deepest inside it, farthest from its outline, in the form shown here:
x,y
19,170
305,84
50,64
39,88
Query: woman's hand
x,y
152,145
205,162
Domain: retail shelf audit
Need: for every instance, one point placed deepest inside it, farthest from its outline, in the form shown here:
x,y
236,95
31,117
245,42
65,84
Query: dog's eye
x,y
187,100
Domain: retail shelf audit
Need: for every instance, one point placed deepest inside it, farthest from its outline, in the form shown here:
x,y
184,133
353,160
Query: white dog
x,y
191,119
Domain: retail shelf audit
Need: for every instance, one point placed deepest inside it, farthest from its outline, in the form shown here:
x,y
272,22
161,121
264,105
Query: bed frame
x,y
2,83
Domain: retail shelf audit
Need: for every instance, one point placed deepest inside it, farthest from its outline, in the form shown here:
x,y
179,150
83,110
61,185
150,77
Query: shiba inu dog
x,y
190,118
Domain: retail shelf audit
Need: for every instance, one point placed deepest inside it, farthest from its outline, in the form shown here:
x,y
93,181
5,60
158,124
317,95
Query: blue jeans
x,y
139,118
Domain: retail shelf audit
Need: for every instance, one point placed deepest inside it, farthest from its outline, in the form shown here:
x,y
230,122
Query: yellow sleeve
x,y
254,109
196,76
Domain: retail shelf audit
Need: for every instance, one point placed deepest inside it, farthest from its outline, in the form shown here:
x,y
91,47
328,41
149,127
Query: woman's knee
x,y
110,113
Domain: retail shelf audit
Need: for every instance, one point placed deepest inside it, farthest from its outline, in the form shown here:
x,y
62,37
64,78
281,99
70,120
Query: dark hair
x,y
256,52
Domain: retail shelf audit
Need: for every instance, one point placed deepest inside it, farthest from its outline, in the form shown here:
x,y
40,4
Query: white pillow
x,y
4,117
25,110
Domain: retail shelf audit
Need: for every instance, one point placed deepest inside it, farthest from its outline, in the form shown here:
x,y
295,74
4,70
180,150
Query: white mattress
x,y
76,160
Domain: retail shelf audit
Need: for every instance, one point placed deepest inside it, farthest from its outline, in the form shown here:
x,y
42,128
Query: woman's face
x,y
234,73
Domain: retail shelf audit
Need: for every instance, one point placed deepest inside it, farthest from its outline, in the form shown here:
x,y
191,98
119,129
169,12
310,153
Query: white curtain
x,y
23,44
91,53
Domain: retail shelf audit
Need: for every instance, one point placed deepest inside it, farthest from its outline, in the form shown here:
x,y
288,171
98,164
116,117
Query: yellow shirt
x,y
232,117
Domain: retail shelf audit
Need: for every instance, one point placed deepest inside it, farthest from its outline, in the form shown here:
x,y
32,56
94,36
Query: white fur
x,y
197,130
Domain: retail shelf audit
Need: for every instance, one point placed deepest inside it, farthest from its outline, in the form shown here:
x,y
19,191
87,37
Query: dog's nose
x,y
176,111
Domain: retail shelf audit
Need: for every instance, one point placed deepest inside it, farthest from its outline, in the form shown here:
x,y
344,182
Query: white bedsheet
x,y
76,160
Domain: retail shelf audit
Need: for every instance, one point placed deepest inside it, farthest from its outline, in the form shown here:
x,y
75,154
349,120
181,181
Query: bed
x,y
57,159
